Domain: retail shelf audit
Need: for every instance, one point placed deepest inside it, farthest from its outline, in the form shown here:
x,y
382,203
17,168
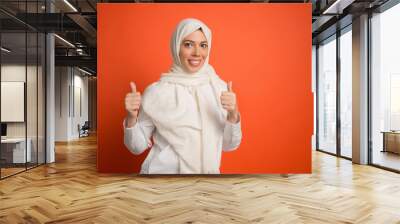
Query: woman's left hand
x,y
229,103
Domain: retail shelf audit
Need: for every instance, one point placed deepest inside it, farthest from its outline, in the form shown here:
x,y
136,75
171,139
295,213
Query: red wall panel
x,y
264,49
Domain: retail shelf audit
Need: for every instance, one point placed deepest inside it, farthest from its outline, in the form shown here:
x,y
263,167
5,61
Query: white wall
x,y
92,100
62,78
71,87
79,110
314,91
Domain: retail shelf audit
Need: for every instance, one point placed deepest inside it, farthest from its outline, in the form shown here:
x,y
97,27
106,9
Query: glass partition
x,y
14,153
22,77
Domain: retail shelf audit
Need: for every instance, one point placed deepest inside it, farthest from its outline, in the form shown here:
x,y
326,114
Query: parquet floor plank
x,y
71,191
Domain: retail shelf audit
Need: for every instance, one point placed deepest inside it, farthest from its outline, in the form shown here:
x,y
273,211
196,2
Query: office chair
x,y
84,130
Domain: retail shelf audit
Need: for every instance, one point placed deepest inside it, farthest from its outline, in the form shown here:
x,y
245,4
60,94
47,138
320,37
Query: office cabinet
x,y
391,142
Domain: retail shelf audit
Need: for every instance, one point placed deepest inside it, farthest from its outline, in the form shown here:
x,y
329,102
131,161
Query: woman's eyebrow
x,y
194,41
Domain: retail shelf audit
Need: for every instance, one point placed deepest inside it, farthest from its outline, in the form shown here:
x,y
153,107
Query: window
x,y
385,87
346,93
327,95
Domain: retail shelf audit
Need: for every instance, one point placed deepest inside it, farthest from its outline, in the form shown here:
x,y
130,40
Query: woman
x,y
190,112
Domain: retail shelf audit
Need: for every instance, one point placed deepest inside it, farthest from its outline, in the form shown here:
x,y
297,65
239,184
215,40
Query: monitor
x,y
3,129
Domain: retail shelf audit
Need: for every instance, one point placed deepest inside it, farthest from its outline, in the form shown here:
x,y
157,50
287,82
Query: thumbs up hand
x,y
132,105
228,101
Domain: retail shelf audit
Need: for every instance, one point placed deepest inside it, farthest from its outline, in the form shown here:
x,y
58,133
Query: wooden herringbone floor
x,y
71,191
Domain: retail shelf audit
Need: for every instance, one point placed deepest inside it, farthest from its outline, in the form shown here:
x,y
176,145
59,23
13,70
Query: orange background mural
x,y
264,49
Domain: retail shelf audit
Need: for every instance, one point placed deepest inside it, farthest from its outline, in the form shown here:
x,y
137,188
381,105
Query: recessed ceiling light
x,y
338,6
84,71
64,40
5,50
71,6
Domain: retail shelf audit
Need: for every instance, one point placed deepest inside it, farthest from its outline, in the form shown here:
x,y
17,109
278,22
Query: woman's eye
x,y
204,45
188,44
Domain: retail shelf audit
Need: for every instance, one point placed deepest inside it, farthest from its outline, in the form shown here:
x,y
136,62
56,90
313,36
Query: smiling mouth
x,y
194,63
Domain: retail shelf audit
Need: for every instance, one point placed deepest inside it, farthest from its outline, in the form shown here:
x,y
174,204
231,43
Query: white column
x,y
50,110
50,91
360,90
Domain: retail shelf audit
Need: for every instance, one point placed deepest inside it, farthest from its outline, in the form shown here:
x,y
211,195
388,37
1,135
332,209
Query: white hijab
x,y
165,102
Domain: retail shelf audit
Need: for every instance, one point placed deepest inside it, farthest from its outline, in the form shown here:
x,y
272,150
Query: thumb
x,y
133,87
230,86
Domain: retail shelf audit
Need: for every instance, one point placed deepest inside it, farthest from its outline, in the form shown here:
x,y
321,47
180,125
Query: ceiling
x,y
76,22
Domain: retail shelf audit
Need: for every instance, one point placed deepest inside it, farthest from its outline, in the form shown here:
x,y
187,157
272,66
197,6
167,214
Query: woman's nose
x,y
196,51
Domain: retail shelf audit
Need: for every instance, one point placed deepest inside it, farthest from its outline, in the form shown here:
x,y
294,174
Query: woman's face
x,y
193,51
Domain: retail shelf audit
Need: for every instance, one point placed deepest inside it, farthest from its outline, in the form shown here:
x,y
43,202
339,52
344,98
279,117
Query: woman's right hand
x,y
132,105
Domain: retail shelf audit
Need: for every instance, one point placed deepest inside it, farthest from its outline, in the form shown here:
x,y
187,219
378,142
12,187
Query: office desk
x,y
13,150
391,141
